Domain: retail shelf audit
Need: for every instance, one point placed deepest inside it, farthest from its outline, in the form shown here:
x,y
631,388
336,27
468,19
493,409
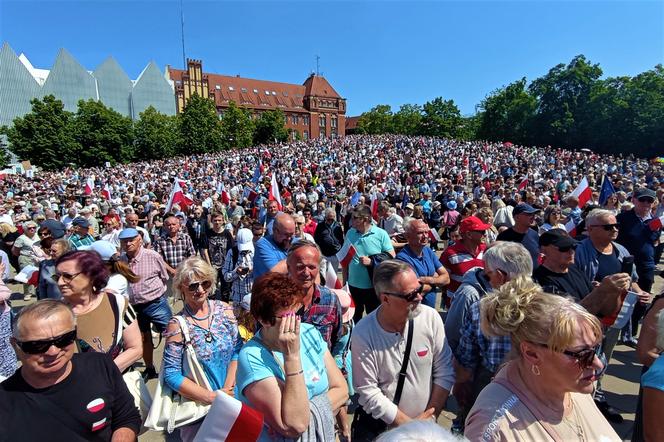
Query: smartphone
x,y
627,265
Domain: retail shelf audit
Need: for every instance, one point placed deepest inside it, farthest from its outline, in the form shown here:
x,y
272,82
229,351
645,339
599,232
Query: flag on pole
x,y
606,191
331,279
106,192
582,192
274,191
90,185
406,198
656,223
433,235
178,196
258,173
230,420
223,195
346,254
374,206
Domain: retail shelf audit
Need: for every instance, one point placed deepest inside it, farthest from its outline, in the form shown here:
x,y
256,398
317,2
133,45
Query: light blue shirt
x,y
374,241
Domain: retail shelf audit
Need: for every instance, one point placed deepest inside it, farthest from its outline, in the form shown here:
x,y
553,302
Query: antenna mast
x,y
184,58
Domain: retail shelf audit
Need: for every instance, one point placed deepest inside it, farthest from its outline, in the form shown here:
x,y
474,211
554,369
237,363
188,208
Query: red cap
x,y
472,223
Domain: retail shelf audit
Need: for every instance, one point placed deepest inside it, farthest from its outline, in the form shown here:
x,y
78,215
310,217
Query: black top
x,y
88,405
530,240
573,283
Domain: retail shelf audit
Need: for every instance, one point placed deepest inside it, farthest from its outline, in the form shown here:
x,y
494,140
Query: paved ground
x,y
621,383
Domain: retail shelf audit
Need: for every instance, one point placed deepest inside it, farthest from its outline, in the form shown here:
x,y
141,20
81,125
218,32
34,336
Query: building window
x,y
217,87
274,93
333,121
305,120
255,91
321,120
305,135
244,89
230,88
296,119
285,94
267,92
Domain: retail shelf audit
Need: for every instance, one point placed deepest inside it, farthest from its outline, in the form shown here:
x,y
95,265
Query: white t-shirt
x,y
119,285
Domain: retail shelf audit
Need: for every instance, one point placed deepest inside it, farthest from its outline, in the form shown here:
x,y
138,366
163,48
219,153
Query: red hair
x,y
272,292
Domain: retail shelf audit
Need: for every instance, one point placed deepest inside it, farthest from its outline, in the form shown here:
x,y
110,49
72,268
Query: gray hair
x,y
331,211
660,331
190,268
363,210
300,244
408,223
27,224
385,272
597,214
420,431
510,257
40,310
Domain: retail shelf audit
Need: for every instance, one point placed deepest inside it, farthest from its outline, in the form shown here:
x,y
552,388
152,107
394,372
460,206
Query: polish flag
x,y
346,254
656,223
374,206
583,192
230,420
106,191
28,275
274,191
571,228
523,183
221,190
433,235
178,196
331,280
90,185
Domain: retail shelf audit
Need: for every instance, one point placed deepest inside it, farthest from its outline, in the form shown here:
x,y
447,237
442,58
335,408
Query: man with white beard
x,y
379,343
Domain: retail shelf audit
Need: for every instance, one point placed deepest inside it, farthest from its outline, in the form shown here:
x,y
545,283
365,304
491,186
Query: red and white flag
x,y
346,254
374,206
656,223
230,420
106,192
433,235
28,275
570,226
523,184
331,279
583,192
178,196
223,195
90,185
274,191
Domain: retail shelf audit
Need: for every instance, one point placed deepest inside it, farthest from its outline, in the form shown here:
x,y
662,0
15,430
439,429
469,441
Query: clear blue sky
x,y
372,52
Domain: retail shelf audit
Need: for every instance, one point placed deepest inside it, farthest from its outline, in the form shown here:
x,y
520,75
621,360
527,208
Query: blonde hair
x,y
6,228
522,310
191,268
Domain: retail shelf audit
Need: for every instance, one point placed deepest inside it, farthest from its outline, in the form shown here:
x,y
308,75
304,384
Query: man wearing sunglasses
x,y
53,395
379,347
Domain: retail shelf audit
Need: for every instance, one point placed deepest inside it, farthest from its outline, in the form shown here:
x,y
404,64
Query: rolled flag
x,y
178,196
346,254
331,280
606,191
656,223
230,420
28,275
106,192
90,185
582,192
274,191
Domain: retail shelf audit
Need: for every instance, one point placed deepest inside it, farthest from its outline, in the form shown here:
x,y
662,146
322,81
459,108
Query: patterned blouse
x,y
214,356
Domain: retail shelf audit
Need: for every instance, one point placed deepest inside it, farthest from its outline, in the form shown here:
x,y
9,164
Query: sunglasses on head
x,y
193,287
42,346
408,297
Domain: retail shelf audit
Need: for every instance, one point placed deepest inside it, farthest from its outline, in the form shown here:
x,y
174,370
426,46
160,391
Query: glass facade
x,y
17,87
152,89
69,82
114,86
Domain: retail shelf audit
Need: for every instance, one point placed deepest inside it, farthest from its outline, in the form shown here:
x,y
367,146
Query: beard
x,y
414,310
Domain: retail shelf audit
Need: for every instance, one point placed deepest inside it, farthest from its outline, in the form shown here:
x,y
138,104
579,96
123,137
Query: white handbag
x,y
169,409
141,394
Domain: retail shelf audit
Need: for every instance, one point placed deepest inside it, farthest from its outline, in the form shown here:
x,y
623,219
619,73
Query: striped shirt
x,y
175,252
458,260
150,266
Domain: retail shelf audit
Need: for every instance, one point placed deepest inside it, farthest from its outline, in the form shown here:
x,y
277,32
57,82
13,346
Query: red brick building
x,y
313,109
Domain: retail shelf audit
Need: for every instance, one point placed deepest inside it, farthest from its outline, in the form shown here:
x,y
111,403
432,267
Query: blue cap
x,y
128,233
105,249
524,208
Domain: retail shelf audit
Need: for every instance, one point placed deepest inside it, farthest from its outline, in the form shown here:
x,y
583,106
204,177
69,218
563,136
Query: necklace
x,y
208,331
575,425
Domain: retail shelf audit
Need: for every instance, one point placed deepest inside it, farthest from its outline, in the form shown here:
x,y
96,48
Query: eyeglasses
x,y
608,227
566,248
66,277
193,287
585,357
408,297
32,228
42,346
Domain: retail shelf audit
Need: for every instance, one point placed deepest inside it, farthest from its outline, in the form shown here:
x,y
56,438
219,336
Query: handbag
x,y
169,409
140,393
365,427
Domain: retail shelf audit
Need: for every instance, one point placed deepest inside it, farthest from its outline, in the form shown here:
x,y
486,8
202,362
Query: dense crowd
x,y
386,272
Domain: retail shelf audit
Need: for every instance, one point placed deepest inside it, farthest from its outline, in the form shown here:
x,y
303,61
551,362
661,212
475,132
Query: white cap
x,y
245,240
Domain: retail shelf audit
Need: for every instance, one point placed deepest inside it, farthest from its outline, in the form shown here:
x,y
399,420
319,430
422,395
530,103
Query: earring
x,y
535,369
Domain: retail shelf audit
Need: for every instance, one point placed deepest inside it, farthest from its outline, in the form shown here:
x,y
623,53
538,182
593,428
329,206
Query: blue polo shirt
x,y
425,265
266,255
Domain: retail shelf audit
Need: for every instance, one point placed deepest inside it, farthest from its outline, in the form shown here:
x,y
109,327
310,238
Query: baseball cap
x,y
128,233
644,192
557,238
245,240
472,223
80,222
105,249
524,208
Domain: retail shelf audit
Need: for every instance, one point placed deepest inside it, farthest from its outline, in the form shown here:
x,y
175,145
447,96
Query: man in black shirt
x,y
57,395
218,241
522,232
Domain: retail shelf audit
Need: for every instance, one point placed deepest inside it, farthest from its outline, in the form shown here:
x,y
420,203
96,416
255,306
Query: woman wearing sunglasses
x,y
106,322
25,252
544,392
214,335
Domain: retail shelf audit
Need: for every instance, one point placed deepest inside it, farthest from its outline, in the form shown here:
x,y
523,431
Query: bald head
x,y
283,230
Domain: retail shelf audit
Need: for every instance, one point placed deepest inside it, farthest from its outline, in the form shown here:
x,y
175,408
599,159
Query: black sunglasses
x,y
646,199
408,297
566,248
609,227
585,357
39,347
193,287
66,277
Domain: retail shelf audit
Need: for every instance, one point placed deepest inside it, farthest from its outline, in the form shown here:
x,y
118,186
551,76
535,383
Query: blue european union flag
x,y
607,190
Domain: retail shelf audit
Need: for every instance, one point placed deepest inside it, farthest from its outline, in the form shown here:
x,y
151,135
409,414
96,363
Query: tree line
x,y
569,107
53,138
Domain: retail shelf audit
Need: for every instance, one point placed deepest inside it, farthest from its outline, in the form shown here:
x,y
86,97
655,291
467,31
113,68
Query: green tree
x,y
379,120
645,98
408,120
4,155
156,135
271,127
43,136
507,114
563,95
200,128
441,118
102,135
237,127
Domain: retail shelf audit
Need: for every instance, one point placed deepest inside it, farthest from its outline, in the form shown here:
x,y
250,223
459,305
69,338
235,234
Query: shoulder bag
x,y
365,426
169,409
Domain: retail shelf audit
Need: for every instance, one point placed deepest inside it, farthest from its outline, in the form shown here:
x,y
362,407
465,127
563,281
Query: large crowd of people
x,y
377,276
